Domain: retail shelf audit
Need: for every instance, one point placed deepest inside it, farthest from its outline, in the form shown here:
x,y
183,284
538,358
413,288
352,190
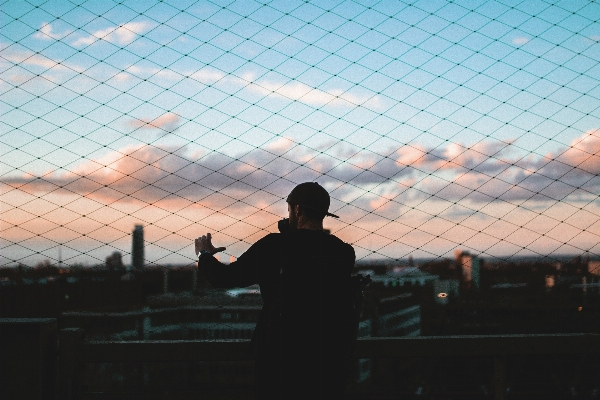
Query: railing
x,y
450,367
497,348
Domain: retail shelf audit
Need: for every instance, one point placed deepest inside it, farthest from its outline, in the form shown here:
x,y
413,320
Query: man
x,y
302,334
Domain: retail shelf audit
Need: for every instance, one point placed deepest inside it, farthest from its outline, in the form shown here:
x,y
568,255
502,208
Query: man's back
x,y
304,294
301,337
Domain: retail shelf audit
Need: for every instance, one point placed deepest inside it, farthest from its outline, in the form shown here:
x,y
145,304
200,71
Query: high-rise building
x,y
137,247
470,265
114,261
594,267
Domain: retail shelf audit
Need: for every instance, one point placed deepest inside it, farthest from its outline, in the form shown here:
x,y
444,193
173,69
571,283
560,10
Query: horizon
x,y
418,262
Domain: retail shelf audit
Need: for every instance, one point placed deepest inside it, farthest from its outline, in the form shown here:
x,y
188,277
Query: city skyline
x,y
434,125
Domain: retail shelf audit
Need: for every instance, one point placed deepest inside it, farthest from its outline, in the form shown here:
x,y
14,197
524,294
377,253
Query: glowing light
x,y
442,295
579,308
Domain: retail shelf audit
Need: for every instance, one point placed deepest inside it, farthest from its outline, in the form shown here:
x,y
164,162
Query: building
x,y
114,261
594,268
445,289
398,315
137,247
404,276
404,322
471,268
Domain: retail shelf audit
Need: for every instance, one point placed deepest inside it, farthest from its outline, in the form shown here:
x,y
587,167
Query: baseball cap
x,y
311,195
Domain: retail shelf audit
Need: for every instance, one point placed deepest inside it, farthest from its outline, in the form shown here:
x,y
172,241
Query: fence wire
x,y
435,125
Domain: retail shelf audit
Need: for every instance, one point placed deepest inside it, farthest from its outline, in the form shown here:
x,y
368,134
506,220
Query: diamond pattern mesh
x,y
434,125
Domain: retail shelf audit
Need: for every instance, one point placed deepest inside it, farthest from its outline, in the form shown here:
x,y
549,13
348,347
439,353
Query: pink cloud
x,y
482,173
413,197
583,153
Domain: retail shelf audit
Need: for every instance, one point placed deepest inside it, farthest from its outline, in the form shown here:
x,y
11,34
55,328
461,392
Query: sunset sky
x,y
434,125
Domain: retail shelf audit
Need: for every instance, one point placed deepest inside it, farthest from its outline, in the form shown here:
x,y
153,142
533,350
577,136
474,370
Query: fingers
x,y
203,241
218,249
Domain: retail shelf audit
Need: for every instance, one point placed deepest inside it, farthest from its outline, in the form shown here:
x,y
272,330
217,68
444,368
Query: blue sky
x,y
455,109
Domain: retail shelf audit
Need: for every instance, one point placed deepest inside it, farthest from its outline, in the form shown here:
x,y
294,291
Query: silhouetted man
x,y
302,334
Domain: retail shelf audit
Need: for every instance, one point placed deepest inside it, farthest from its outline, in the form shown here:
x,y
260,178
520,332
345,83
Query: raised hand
x,y
204,243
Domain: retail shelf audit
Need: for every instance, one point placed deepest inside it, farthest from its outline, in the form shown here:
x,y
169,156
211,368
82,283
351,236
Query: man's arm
x,y
223,276
241,273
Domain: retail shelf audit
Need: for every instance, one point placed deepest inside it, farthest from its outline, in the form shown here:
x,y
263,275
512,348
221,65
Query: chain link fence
x,y
435,125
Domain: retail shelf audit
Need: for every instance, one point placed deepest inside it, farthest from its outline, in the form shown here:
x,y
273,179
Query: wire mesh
x,y
434,125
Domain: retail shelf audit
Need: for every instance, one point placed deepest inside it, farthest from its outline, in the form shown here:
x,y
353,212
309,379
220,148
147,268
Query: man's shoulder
x,y
291,239
269,238
340,242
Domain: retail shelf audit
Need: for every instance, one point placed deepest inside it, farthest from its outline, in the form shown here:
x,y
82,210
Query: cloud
x,y
294,91
414,196
26,57
483,158
167,123
29,58
206,75
46,32
121,35
298,91
519,41
484,173
149,174
583,153
41,61
569,172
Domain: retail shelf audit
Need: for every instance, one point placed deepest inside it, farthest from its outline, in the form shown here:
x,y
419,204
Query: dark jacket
x,y
302,275
302,336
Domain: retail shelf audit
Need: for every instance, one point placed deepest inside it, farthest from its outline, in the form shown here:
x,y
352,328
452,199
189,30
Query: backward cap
x,y
311,195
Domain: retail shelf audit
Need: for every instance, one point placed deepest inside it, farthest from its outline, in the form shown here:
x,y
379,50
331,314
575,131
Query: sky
x,y
434,125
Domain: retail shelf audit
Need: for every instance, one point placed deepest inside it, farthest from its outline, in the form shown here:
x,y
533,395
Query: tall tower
x,y
470,265
137,247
